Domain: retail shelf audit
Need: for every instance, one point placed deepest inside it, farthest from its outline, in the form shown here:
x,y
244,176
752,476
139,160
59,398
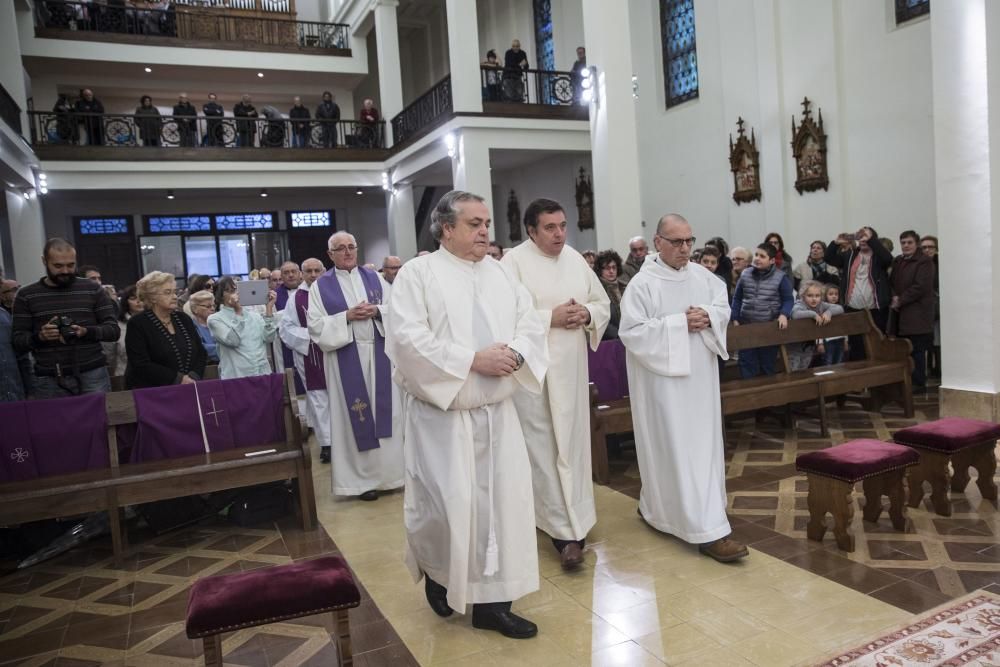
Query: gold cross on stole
x,y
359,406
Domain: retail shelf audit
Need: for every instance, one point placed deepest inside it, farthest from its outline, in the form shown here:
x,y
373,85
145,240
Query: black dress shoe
x,y
506,623
324,454
369,495
437,597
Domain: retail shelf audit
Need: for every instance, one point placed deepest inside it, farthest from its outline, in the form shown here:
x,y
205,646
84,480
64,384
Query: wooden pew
x,y
122,484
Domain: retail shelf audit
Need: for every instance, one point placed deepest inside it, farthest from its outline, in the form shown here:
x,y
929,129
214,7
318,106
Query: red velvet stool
x,y
966,443
832,474
269,595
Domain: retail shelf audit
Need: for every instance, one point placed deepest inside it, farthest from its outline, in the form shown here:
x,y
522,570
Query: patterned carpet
x,y
935,560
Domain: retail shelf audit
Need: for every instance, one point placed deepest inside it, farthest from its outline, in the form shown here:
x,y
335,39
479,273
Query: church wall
x,y
758,60
553,178
308,10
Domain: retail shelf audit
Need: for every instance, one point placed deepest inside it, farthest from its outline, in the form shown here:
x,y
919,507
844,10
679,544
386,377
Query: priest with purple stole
x,y
346,305
294,331
291,278
464,336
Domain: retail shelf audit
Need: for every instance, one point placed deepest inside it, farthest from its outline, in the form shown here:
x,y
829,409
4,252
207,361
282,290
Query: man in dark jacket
x,y
912,281
864,278
186,117
87,106
213,128
300,124
328,113
246,124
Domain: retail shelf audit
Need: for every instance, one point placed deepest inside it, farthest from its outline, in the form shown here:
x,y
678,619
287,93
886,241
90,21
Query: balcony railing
x,y
270,6
123,130
186,25
10,112
423,112
531,86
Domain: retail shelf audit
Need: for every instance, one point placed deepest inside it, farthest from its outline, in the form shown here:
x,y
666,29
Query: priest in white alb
x,y
293,328
574,309
463,336
673,326
346,306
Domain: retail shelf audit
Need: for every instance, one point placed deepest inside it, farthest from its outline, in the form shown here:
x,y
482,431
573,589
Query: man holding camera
x,y
62,320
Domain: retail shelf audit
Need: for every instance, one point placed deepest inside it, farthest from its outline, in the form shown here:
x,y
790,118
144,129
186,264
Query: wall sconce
x,y
450,144
587,83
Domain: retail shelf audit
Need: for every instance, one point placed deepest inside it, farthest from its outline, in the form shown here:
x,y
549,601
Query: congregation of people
x,y
84,121
461,375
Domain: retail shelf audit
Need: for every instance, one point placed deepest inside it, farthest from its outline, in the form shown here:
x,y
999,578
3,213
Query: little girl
x,y
810,305
835,348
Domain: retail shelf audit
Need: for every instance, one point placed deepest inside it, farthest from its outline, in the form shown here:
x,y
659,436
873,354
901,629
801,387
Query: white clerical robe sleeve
x,y
437,365
599,305
329,332
530,340
660,342
718,314
292,334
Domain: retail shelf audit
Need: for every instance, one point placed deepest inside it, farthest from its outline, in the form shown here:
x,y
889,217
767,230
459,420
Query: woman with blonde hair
x,y
161,343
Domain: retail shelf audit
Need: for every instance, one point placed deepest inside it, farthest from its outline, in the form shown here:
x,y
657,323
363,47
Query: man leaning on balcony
x,y
328,113
186,117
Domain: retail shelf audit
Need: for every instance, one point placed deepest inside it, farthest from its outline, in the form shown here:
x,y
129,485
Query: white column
x,y
470,170
390,78
27,236
11,69
615,149
464,56
966,77
402,223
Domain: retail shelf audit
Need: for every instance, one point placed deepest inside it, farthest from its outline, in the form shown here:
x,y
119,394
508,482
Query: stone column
x,y
464,56
402,223
965,60
470,170
27,236
614,144
390,78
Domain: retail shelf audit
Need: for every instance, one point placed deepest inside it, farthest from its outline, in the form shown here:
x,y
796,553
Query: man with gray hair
x,y
637,251
390,267
464,336
346,306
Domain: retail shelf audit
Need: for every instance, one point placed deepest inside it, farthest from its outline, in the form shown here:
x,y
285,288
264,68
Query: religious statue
x,y
584,200
809,151
514,217
744,162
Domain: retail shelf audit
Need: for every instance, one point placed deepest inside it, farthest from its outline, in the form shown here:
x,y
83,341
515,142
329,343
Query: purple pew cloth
x,y
607,370
243,412
53,437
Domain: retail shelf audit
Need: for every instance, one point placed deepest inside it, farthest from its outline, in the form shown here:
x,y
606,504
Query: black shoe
x,y
506,623
437,597
324,454
369,495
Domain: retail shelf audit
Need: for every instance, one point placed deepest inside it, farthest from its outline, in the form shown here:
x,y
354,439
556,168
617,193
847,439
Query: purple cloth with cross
x,y
53,437
313,363
208,416
367,430
606,369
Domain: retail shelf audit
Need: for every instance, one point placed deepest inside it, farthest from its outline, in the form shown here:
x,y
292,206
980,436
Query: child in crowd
x,y
833,349
763,294
811,305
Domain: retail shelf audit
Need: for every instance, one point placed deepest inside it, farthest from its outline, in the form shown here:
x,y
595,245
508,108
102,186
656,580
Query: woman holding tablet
x,y
242,335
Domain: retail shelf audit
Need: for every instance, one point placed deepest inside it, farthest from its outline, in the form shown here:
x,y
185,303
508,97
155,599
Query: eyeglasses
x,y
677,243
342,248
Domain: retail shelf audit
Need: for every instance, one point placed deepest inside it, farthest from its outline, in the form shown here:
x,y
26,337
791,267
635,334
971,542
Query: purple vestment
x,y
367,430
53,437
313,367
287,356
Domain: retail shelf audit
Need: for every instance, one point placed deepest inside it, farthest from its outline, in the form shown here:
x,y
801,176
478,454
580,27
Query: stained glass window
x,y
310,218
103,225
178,223
911,9
245,221
680,57
544,44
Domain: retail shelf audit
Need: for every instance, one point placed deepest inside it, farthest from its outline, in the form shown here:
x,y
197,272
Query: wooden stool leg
x,y
843,512
984,460
933,468
874,488
818,507
342,626
892,486
960,462
213,650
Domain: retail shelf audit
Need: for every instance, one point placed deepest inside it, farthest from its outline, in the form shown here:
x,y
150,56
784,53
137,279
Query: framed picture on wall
x,y
744,162
809,151
584,200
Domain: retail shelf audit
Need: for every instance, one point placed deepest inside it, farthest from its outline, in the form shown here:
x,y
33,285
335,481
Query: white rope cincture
x,y
492,549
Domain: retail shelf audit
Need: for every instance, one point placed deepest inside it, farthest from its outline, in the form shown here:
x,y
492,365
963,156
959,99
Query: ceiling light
x,y
44,190
359,192
263,192
170,194
260,75
42,176
27,194
148,70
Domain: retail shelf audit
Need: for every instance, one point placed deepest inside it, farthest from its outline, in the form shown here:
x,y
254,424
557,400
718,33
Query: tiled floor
x,y
641,598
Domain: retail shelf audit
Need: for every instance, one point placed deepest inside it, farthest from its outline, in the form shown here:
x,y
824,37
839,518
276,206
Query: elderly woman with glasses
x,y
161,343
202,304
241,334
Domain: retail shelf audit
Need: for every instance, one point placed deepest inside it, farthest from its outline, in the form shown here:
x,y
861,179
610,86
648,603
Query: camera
x,y
65,325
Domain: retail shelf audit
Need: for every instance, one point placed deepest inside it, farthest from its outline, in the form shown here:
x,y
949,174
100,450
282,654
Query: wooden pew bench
x,y
121,484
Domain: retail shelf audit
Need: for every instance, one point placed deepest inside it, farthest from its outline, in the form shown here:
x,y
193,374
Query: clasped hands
x,y
362,311
497,360
569,315
698,319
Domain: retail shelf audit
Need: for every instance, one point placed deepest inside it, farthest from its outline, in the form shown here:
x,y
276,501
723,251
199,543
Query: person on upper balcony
x,y
367,135
214,132
186,117
329,113
246,129
147,117
491,77
577,71
515,64
300,123
93,123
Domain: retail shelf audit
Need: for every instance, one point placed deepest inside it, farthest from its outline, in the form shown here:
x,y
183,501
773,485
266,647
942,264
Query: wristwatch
x,y
519,357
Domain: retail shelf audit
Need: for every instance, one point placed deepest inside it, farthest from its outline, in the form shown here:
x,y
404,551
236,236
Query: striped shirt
x,y
86,303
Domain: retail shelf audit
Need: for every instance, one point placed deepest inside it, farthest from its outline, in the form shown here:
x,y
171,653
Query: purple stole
x,y
314,370
280,301
366,430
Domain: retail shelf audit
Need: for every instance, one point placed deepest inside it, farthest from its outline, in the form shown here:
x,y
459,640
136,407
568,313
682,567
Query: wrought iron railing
x,y
10,112
189,22
73,129
270,6
533,86
424,110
